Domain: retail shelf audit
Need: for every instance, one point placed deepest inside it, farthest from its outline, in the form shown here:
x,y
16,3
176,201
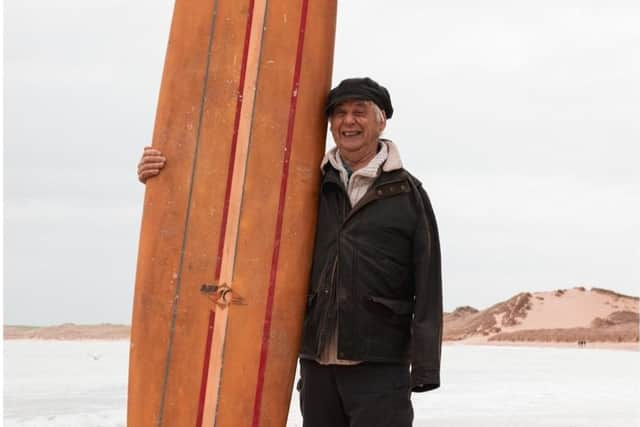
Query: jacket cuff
x,y
424,380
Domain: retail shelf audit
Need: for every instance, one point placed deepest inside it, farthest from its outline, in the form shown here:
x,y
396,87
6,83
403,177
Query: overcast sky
x,y
520,117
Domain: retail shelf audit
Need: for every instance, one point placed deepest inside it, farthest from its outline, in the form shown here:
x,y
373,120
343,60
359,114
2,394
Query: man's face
x,y
355,126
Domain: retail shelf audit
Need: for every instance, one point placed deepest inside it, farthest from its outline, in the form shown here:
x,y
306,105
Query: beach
x,y
56,383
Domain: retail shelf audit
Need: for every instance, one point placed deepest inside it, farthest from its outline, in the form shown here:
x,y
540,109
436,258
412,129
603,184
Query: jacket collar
x,y
392,163
332,176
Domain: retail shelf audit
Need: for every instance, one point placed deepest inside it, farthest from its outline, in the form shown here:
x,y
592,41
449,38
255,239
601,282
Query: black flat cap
x,y
360,88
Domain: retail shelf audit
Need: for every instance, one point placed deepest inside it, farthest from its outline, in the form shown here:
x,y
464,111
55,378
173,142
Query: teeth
x,y
352,133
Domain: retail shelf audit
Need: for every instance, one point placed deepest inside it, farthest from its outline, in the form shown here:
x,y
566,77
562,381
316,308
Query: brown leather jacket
x,y
377,275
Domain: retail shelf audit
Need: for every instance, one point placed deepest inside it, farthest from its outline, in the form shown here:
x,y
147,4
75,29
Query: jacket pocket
x,y
401,307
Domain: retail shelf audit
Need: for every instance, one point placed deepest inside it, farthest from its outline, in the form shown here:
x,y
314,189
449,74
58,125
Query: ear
x,y
383,124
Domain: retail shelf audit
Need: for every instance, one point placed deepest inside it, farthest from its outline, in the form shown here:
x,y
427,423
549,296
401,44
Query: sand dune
x,y
68,331
561,316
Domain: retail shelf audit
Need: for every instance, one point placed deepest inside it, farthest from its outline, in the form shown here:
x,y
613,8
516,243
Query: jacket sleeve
x,y
426,329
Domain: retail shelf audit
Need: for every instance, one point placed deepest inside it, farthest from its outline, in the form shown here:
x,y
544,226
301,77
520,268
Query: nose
x,y
349,118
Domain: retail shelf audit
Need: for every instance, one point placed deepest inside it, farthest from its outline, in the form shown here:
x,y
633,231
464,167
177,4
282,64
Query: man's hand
x,y
151,162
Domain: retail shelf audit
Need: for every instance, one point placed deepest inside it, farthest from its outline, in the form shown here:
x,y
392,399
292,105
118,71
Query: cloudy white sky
x,y
521,118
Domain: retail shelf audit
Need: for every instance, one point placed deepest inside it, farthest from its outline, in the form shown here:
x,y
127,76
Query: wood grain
x,y
240,120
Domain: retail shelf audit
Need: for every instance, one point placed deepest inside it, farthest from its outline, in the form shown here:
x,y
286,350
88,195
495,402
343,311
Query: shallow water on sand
x,y
84,384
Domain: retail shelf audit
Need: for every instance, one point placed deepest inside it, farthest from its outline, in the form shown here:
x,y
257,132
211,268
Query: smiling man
x,y
373,327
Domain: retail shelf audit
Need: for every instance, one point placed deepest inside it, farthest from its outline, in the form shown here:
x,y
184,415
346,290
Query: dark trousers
x,y
363,395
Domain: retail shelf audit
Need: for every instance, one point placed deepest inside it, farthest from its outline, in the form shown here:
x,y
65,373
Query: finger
x,y
152,153
154,163
143,176
150,165
153,159
148,171
150,150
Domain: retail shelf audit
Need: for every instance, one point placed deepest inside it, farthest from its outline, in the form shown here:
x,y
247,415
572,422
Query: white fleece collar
x,y
392,163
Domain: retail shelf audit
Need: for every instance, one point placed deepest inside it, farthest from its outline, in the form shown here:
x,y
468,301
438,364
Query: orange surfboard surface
x,y
228,225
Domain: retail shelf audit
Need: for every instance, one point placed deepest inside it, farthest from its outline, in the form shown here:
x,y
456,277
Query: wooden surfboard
x,y
228,225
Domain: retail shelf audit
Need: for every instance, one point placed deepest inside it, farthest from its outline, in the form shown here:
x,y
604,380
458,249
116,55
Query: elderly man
x,y
373,327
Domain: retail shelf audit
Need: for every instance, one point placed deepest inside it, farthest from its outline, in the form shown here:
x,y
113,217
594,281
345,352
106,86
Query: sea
x,y
84,384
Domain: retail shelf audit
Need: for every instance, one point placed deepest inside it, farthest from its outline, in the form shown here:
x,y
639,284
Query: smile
x,y
351,133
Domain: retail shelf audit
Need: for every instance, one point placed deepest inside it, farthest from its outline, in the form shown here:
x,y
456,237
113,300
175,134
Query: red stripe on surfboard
x,y
205,367
234,140
225,211
278,232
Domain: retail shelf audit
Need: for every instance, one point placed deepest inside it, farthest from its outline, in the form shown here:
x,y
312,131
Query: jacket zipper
x,y
323,329
322,332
